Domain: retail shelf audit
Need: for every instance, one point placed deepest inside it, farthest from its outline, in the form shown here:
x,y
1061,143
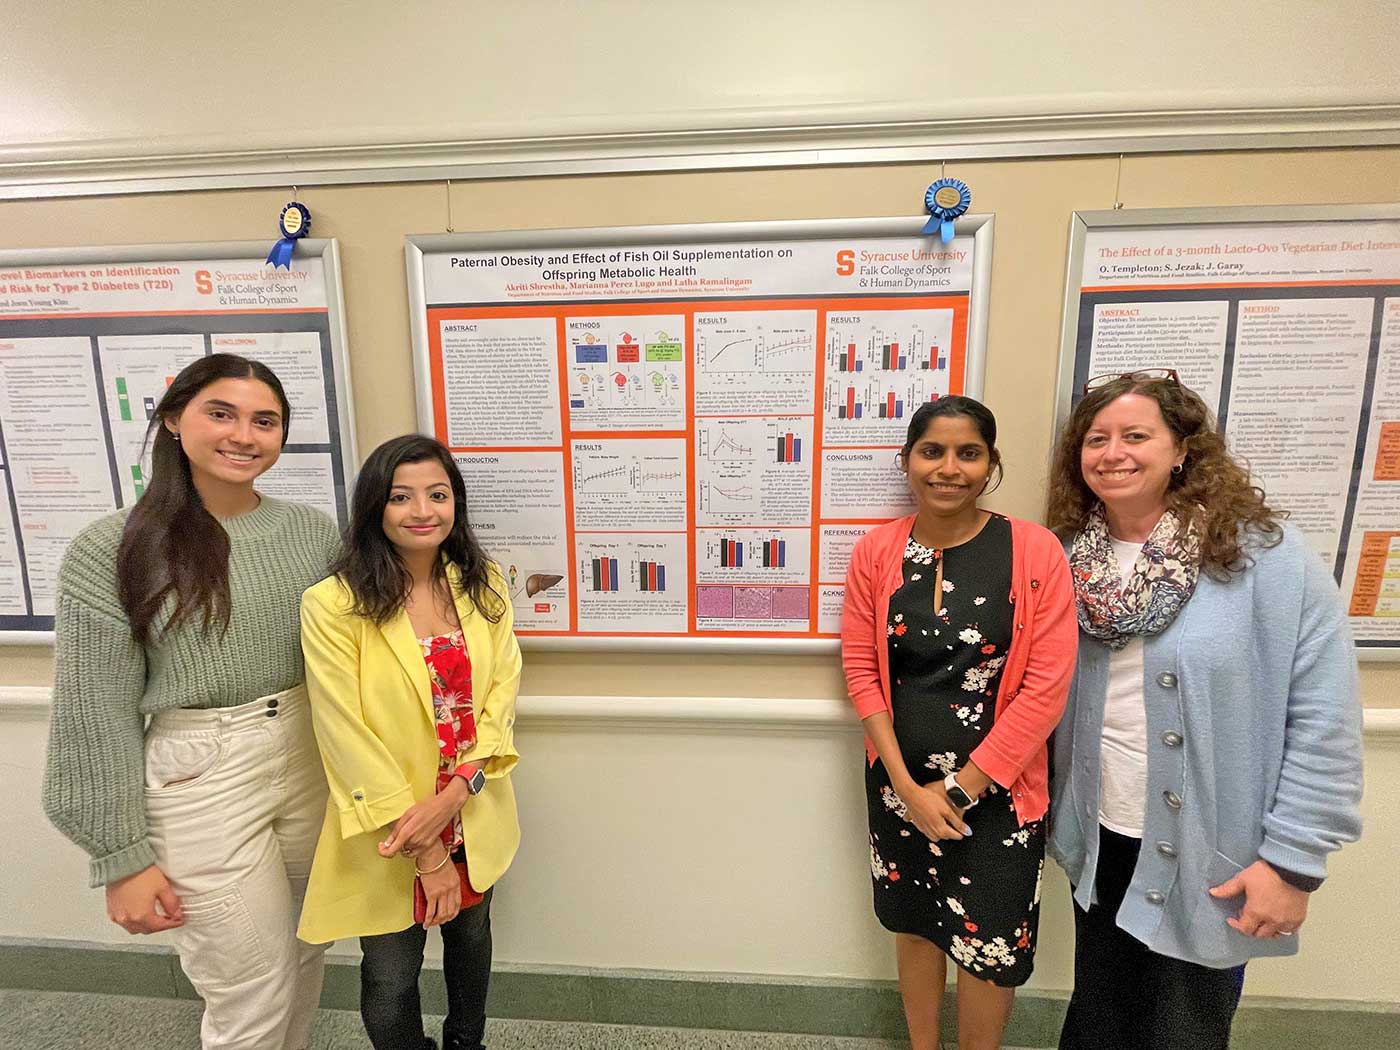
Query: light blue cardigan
x,y
1254,751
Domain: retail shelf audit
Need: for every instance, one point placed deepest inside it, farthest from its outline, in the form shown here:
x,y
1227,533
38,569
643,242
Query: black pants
x,y
389,1002
1127,997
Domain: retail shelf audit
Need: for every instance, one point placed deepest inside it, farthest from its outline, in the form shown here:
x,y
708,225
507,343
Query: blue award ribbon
x,y
945,200
294,223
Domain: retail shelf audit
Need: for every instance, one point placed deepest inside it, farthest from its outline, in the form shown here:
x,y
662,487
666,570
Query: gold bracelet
x,y
441,864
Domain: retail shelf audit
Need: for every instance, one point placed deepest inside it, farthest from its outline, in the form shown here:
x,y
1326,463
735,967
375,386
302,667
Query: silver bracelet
x,y
441,864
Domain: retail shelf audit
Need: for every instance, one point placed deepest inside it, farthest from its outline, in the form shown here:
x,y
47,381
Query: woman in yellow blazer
x,y
412,669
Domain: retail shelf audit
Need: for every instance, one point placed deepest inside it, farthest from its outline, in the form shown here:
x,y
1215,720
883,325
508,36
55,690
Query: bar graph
x,y
847,361
651,576
935,360
849,407
632,581
604,574
775,554
888,341
766,553
891,407
788,448
883,399
754,555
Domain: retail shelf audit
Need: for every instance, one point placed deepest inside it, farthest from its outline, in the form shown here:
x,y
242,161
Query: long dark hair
x,y
1212,489
370,565
955,405
171,544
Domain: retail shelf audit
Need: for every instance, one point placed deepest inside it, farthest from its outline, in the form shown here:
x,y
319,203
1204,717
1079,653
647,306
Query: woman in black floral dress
x,y
958,641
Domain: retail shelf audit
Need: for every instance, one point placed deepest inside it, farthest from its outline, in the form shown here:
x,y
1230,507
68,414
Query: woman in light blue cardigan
x,y
1209,758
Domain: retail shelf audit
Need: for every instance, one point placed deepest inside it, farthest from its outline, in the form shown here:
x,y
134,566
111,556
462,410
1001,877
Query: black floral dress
x,y
977,898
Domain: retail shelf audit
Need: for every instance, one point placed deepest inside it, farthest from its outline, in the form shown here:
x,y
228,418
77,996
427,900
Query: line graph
x,y
601,472
718,445
767,342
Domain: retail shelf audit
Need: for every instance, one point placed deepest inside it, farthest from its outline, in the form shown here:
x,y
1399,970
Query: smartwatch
x,y
476,780
956,795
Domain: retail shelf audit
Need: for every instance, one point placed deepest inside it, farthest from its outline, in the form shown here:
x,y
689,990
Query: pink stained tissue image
x,y
715,601
753,603
791,603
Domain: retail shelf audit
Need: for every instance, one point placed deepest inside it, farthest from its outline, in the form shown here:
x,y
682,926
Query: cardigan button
x,y
1166,849
1171,738
1153,897
1172,799
1166,680
358,796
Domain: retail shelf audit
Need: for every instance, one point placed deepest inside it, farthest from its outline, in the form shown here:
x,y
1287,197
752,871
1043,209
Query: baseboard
x,y
737,1002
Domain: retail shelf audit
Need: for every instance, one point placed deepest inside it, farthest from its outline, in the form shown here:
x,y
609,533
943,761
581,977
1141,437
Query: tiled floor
x,y
79,1021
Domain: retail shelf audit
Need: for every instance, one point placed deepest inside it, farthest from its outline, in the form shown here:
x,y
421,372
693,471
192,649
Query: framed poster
x,y
1287,322
89,340
674,435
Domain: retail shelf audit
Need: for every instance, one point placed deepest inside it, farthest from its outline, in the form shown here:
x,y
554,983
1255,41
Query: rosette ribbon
x,y
294,223
945,200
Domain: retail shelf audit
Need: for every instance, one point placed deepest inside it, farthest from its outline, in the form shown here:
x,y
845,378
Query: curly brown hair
x,y
1212,489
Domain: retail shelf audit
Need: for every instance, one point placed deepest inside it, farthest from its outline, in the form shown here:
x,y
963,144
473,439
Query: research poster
x,y
685,440
87,350
1290,331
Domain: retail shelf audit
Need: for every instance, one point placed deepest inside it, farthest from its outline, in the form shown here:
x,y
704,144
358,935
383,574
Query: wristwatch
x,y
476,780
956,795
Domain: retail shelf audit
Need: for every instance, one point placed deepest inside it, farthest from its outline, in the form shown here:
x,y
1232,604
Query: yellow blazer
x,y
372,707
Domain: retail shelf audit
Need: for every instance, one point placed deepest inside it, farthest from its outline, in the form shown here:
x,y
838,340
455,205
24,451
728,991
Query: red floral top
x,y
450,674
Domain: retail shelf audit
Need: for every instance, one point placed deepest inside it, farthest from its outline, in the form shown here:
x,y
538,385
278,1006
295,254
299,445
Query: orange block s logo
x,y
202,282
845,262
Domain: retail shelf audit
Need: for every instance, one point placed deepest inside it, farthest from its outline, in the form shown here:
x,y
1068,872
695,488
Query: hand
x,y
1272,908
144,902
421,824
933,813
443,889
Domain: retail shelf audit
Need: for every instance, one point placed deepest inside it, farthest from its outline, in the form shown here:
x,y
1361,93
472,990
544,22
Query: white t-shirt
x,y
1123,758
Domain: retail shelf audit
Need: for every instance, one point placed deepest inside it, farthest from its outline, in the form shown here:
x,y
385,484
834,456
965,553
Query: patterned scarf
x,y
1163,579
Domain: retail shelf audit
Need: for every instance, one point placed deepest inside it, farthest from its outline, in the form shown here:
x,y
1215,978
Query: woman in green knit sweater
x,y
184,608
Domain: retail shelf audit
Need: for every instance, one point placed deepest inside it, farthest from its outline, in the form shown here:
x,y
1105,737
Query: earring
x,y
1178,468
176,435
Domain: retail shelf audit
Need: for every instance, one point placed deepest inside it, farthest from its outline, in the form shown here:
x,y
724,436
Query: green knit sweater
x,y
105,684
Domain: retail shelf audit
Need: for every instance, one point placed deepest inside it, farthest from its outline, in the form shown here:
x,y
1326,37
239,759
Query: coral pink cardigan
x,y
1039,664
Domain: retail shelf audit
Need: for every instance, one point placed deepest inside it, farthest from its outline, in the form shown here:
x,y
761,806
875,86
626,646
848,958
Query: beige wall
x,y
90,78
1032,200
680,844
724,846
